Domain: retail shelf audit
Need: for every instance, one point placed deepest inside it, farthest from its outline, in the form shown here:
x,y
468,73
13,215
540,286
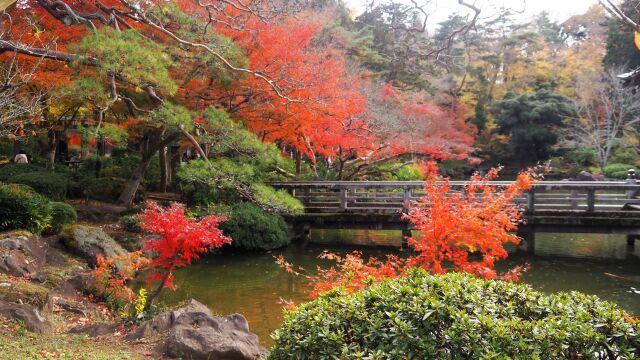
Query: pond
x,y
254,285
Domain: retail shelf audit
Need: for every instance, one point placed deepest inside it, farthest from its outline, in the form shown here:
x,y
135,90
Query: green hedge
x,y
252,228
105,189
131,223
21,208
51,184
62,214
455,316
618,171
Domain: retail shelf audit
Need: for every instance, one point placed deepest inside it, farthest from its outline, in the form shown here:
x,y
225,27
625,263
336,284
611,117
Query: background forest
x,y
181,96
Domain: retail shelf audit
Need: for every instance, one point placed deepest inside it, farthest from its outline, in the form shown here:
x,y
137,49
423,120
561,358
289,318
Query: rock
x,y
89,241
197,335
22,253
165,321
30,316
96,329
70,307
585,176
24,292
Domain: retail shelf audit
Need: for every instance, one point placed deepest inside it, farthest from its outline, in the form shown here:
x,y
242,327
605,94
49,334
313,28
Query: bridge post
x,y
631,179
406,234
529,237
343,199
406,199
531,200
591,200
631,240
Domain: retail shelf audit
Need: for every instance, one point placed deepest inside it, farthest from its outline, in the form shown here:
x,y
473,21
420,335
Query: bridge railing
x,y
394,196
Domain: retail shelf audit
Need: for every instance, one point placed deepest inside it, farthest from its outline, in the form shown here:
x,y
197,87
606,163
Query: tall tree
x,y
608,119
531,122
620,38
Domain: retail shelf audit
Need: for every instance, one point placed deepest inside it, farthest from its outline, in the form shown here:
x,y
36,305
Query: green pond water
x,y
254,285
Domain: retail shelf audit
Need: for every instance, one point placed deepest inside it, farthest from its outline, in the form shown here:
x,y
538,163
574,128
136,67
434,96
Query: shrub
x,y
106,189
252,228
131,223
53,185
62,214
22,208
9,171
624,155
617,170
455,316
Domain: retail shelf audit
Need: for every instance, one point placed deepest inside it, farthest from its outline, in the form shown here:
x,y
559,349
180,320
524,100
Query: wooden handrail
x,y
394,196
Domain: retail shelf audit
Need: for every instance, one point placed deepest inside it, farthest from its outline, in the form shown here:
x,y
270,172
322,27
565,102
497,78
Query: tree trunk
x,y
129,191
152,296
173,165
163,169
298,162
52,147
149,149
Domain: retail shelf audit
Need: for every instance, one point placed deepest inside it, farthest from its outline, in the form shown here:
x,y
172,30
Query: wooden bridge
x,y
550,206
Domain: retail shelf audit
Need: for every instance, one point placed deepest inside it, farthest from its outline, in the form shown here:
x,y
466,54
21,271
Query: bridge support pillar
x,y
529,238
631,240
406,234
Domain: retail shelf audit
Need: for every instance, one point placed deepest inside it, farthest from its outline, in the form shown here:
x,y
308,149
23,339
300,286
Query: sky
x,y
559,10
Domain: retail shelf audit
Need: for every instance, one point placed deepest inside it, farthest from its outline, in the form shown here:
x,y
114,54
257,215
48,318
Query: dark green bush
x,y
105,189
455,316
61,214
252,228
130,223
23,208
9,171
53,185
617,171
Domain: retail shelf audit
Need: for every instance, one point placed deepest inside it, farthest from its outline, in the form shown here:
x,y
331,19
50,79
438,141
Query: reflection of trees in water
x,y
602,246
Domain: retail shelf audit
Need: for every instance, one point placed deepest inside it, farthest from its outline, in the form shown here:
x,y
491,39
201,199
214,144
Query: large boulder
x,y
89,241
200,336
163,322
32,318
587,176
193,333
21,253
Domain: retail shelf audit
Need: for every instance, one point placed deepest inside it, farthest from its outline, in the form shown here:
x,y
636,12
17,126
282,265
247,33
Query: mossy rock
x,y
90,241
14,234
19,291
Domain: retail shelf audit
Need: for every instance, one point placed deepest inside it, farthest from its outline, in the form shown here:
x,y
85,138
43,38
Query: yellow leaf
x,y
636,39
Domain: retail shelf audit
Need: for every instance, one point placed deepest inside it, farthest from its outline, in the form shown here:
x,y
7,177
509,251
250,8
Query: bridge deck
x,y
549,205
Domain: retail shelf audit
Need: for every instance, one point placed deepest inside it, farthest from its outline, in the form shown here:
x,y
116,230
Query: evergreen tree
x,y
621,51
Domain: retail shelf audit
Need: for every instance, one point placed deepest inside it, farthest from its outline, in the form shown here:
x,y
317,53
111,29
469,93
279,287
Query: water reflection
x,y
252,284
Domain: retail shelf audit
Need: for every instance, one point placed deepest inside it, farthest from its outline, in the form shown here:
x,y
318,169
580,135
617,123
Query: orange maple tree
x,y
458,230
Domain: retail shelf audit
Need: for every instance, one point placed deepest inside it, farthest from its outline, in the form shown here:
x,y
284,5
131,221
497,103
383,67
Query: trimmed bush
x,y
617,171
62,214
23,208
105,189
130,223
455,316
252,228
8,171
49,184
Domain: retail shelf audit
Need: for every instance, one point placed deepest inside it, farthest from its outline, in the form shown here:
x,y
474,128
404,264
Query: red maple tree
x,y
463,230
178,241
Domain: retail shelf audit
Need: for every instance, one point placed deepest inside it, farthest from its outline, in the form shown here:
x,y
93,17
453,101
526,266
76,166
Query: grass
x,y
18,344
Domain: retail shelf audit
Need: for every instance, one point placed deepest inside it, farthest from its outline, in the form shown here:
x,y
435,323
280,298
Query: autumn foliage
x,y
460,229
113,274
177,241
